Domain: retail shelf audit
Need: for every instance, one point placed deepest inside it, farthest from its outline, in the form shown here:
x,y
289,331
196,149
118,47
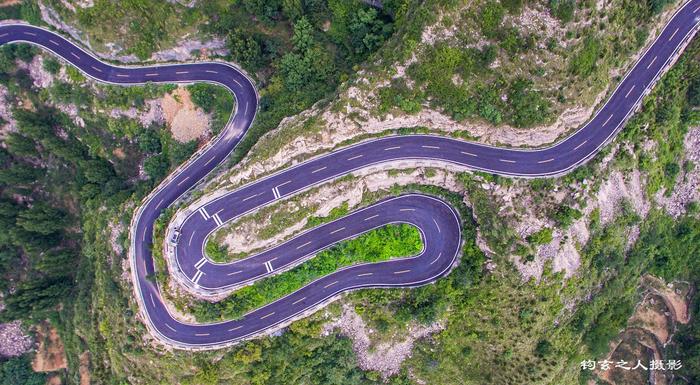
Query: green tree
x,y
41,218
18,371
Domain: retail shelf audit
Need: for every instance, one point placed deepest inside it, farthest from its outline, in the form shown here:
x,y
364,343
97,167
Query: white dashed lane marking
x,y
75,55
468,153
436,259
652,62
236,328
372,217
340,229
267,315
507,160
630,91
402,271
674,34
365,274
319,169
299,300
579,146
189,243
436,225
170,327
545,161
305,244
607,120
433,147
392,148
330,284
251,197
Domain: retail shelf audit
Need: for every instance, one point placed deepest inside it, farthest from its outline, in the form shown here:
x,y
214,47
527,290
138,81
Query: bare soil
x,y
186,121
50,355
84,368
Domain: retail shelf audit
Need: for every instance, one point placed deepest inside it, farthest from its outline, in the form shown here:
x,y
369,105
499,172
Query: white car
x,y
175,236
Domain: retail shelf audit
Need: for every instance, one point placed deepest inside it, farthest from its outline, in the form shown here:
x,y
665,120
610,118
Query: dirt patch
x,y
674,296
13,341
7,3
54,380
650,315
84,368
186,121
386,357
50,355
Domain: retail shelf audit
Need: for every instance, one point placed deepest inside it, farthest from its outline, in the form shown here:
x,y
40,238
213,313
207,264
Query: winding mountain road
x,y
438,222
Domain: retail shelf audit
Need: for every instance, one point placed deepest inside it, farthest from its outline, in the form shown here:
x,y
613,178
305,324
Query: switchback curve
x,y
438,222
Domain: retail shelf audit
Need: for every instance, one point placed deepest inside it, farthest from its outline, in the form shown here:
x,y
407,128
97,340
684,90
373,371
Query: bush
x,y
18,371
583,63
490,19
563,9
541,237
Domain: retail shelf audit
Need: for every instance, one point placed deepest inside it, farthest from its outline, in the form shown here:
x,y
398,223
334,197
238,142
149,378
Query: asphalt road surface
x,y
438,223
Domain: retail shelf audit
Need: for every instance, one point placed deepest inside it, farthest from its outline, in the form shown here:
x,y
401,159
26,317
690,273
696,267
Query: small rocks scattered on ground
x,y
13,341
385,357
